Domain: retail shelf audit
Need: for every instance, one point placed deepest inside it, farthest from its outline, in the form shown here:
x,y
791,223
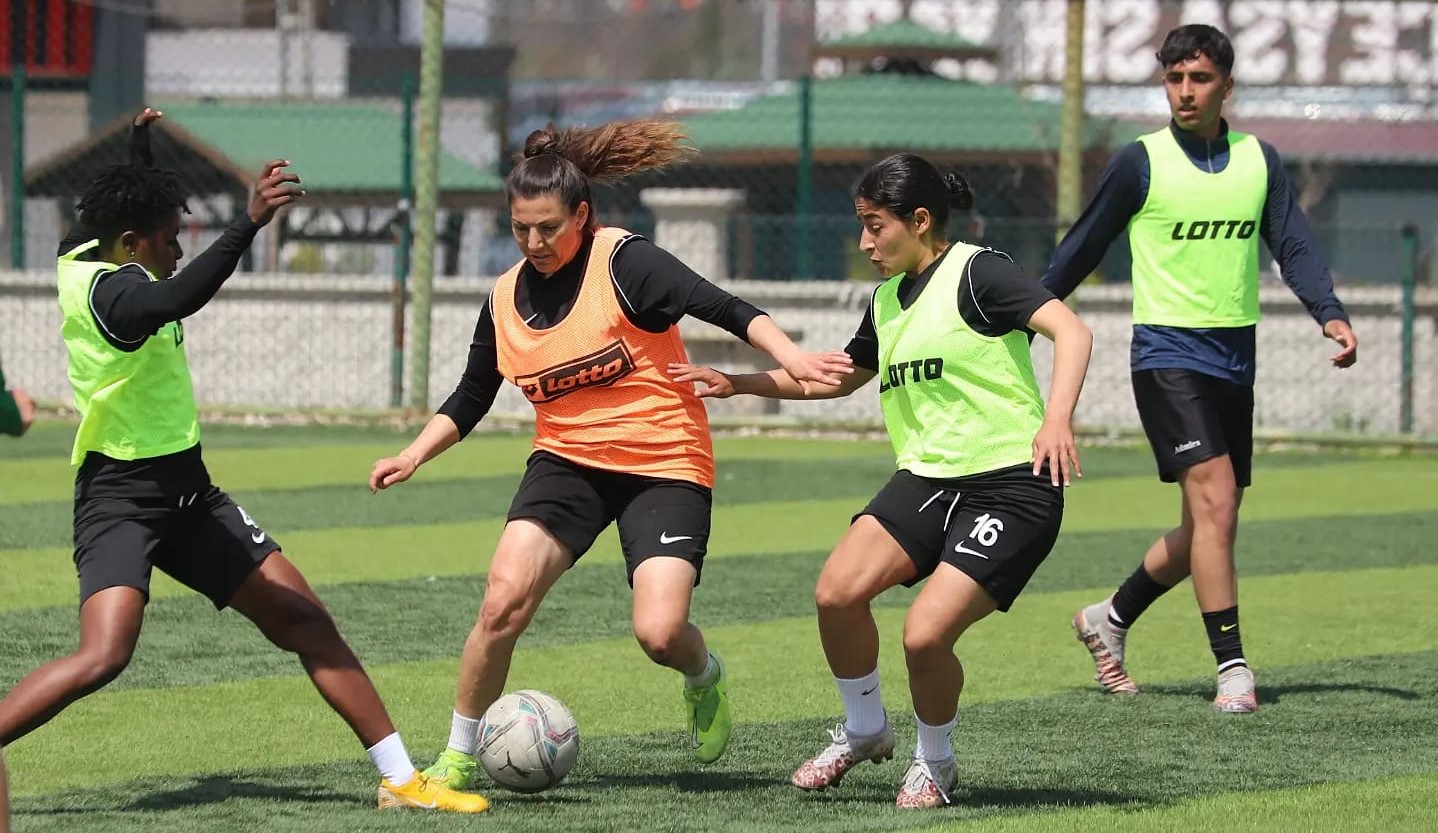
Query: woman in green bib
x,y
143,496
977,500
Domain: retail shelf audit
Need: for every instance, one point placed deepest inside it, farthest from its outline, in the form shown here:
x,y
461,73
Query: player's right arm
x,y
1122,189
863,352
129,307
461,412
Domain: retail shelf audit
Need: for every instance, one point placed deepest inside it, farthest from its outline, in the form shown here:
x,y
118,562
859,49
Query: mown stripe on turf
x,y
1408,803
291,467
1025,762
776,670
364,553
426,502
593,601
427,499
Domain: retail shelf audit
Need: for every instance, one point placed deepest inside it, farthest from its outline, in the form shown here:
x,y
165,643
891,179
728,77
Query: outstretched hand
x,y
827,368
712,383
276,188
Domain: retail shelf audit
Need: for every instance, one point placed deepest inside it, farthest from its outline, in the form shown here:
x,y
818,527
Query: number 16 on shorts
x,y
985,532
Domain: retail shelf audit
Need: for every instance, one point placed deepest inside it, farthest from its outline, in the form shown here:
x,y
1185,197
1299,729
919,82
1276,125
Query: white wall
x,y
324,341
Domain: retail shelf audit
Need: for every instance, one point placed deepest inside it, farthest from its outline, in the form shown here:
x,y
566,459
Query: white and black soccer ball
x,y
528,741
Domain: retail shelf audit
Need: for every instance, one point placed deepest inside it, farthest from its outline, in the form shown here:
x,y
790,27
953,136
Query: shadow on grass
x,y
1270,695
217,789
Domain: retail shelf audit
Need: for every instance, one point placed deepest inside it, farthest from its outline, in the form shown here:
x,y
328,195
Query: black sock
x,y
1223,638
1137,592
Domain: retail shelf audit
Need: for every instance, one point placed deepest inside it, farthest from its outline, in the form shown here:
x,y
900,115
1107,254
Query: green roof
x,y
882,112
334,147
903,33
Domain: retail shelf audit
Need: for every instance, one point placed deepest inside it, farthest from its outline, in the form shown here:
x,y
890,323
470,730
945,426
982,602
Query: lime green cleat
x,y
453,769
711,716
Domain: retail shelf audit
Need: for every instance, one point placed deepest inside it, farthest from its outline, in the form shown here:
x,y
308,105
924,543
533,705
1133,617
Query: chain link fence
x,y
787,100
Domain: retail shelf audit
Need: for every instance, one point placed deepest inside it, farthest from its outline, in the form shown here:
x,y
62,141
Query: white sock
x,y
392,760
863,707
463,733
705,677
936,743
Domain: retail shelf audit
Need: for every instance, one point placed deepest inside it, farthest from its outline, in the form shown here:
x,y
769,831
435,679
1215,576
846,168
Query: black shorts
x,y
202,540
997,531
1190,417
657,516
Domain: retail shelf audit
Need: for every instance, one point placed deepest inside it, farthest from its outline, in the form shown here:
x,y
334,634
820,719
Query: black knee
x,y
100,668
300,626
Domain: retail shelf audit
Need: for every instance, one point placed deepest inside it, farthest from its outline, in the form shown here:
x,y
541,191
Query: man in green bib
x,y
1195,198
143,496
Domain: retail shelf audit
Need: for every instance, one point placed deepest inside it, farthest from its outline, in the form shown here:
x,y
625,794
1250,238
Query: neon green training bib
x,y
1195,240
132,405
955,402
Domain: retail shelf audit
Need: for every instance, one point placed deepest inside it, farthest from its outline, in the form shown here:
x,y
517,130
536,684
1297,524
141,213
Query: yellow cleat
x,y
423,793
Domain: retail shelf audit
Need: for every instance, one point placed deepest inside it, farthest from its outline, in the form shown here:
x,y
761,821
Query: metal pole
x,y
769,43
282,35
18,42
1070,174
1410,276
426,200
405,233
805,188
307,57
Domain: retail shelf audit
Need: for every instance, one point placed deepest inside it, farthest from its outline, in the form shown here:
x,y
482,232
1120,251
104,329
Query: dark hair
x,y
135,198
905,182
565,162
1194,39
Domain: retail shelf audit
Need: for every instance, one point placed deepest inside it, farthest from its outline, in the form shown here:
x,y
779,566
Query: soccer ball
x,y
528,741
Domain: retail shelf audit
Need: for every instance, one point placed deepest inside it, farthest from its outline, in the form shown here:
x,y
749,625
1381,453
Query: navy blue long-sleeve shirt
x,y
1228,353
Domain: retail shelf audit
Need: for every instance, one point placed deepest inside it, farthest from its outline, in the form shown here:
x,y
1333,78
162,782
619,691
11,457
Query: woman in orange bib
x,y
585,326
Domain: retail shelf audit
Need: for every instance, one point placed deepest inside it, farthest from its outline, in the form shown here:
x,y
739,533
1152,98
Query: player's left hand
x,y
712,383
1340,331
828,368
276,188
1054,444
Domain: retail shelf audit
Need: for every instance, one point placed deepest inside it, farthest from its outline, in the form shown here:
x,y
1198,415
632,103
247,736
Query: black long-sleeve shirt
x,y
127,305
654,288
994,299
1225,352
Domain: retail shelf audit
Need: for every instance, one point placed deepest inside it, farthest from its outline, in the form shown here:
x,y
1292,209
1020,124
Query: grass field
x,y
212,729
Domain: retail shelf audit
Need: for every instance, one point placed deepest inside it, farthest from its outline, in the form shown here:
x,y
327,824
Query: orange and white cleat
x,y
928,784
1236,692
1105,644
846,752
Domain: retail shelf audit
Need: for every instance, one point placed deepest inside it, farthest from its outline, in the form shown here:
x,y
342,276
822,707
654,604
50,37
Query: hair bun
x,y
540,142
961,196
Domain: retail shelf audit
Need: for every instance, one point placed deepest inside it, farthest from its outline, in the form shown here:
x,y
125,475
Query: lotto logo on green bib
x,y
918,370
1213,230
